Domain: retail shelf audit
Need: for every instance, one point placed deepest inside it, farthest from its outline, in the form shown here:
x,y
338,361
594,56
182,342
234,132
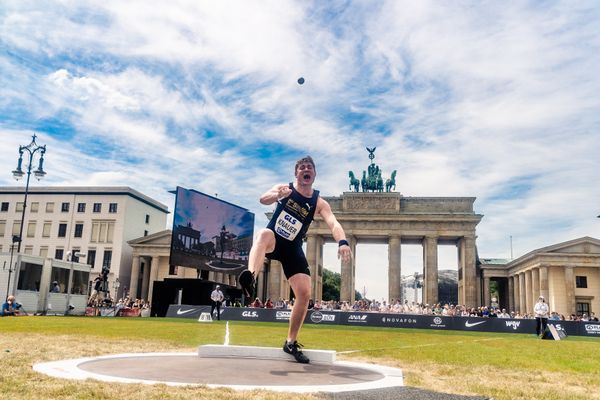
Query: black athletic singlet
x,y
290,222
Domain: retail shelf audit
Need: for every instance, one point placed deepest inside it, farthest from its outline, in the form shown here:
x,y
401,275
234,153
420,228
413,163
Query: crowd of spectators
x,y
396,306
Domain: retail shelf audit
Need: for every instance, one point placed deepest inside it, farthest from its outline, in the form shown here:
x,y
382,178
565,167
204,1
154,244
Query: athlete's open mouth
x,y
306,176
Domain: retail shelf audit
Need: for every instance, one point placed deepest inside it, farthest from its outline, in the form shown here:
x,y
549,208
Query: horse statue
x,y
391,183
379,186
363,182
354,183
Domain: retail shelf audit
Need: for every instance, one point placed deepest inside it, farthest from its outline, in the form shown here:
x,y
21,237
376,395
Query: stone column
x,y
487,298
570,290
311,257
511,294
319,292
468,289
212,276
153,276
528,292
347,272
135,276
517,290
535,285
145,279
544,288
430,263
522,294
394,269
275,276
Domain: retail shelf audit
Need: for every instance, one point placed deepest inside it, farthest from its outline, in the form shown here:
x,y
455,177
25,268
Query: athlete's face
x,y
305,174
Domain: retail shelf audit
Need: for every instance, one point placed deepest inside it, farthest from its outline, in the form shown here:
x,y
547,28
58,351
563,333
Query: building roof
x,y
87,190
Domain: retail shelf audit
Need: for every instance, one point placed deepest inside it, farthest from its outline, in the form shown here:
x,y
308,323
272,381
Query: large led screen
x,y
209,233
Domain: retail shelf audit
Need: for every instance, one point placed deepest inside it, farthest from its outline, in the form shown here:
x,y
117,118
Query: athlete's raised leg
x,y
264,243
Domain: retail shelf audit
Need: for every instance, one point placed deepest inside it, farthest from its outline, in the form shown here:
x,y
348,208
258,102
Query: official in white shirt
x,y
217,299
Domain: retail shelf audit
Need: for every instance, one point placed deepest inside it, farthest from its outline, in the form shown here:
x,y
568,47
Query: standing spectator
x,y
217,298
541,315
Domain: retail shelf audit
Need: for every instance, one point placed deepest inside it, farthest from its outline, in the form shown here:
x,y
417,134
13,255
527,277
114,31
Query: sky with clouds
x,y
495,100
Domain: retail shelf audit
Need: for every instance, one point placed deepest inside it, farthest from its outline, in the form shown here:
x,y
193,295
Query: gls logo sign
x,y
290,219
250,314
595,329
283,314
513,324
318,316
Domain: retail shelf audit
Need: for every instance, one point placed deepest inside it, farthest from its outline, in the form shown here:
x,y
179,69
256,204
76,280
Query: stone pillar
x,y
544,288
511,294
311,257
517,291
153,276
145,279
570,290
528,292
535,285
394,269
275,276
211,276
135,276
348,273
468,287
319,292
487,298
522,294
430,263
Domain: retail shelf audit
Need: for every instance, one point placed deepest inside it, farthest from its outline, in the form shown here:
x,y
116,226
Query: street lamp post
x,y
18,173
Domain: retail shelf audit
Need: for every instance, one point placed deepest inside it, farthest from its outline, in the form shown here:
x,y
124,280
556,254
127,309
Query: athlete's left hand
x,y
345,253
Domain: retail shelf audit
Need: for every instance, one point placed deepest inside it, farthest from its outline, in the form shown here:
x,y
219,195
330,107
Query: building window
x,y
28,250
97,207
44,251
34,207
62,230
16,228
64,207
80,207
102,231
91,258
581,282
2,228
112,208
583,308
46,229
145,233
4,206
172,269
49,207
106,259
59,254
61,276
147,218
74,256
78,230
19,206
31,229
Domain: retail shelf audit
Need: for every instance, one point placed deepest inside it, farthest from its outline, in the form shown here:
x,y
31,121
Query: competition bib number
x,y
287,226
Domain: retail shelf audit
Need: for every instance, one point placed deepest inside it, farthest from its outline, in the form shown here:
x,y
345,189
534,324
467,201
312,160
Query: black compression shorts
x,y
291,256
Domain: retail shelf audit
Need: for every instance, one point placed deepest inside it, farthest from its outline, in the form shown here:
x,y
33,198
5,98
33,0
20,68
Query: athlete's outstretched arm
x,y
324,209
274,194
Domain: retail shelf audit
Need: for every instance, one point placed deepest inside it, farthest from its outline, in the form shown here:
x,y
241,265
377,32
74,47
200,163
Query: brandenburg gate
x,y
390,218
394,219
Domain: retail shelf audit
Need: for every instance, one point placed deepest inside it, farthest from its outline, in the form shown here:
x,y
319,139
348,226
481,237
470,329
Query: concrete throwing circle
x,y
179,369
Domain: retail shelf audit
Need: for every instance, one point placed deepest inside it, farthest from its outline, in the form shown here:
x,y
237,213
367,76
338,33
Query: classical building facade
x,y
567,274
96,221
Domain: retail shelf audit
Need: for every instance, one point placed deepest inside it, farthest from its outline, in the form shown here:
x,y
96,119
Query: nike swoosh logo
x,y
468,324
179,312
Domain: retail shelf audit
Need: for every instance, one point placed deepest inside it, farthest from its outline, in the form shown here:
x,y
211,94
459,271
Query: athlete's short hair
x,y
303,160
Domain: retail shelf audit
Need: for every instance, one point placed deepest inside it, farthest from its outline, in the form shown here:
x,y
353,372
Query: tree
x,y
332,281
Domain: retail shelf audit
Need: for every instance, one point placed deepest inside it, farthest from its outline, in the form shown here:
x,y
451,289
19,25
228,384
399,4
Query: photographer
x,y
10,308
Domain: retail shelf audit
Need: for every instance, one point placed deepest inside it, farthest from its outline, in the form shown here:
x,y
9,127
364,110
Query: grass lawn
x,y
503,366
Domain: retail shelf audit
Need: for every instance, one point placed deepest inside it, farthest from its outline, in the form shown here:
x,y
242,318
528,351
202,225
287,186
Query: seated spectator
x,y
257,303
311,304
280,304
269,303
